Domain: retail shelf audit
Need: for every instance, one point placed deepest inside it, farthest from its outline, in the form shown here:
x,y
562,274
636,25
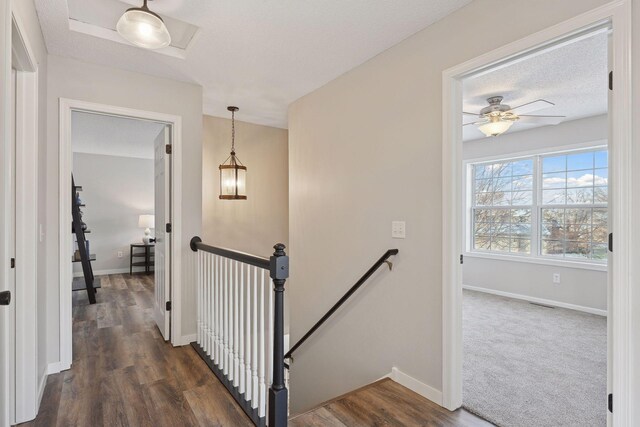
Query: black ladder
x,y
79,231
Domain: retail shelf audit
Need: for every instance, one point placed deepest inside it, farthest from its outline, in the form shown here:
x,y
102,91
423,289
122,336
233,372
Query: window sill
x,y
538,260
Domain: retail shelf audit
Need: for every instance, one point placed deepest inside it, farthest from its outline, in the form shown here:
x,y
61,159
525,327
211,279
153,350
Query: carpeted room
x,y
535,266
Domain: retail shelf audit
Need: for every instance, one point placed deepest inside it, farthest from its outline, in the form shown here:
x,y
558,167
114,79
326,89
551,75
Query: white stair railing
x,y
240,327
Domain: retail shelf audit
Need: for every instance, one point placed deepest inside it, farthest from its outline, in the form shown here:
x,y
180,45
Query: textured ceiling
x,y
573,76
256,54
113,136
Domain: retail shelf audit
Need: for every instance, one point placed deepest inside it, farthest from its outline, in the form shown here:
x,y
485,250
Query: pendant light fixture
x,y
144,28
233,174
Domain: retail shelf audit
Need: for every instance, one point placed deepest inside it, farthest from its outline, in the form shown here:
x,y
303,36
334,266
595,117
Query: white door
x,y
7,313
162,266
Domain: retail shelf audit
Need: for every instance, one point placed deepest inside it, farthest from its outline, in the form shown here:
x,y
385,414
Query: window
x,y
503,196
551,205
574,205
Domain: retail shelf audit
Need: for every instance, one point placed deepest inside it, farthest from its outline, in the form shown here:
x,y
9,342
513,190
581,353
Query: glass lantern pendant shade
x,y
144,28
233,174
496,126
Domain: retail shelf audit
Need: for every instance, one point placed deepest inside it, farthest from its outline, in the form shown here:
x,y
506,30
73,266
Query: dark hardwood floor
x,y
384,403
123,372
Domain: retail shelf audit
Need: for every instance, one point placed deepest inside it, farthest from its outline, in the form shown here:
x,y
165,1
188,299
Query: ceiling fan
x,y
497,118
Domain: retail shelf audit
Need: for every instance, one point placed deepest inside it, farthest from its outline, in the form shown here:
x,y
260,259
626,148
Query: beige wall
x,y
256,224
69,78
116,191
365,149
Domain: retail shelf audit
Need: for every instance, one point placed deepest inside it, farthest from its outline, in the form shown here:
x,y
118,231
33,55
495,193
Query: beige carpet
x,y
527,365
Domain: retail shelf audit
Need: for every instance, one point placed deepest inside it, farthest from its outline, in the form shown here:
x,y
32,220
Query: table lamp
x,y
147,222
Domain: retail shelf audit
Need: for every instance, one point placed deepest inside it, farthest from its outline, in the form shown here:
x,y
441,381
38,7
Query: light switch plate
x,y
398,229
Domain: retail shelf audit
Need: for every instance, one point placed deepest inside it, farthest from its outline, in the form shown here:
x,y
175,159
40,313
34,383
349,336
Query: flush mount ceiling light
x,y
497,118
144,28
233,174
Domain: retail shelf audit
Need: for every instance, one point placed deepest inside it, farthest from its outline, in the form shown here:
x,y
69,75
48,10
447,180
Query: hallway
x,y
123,372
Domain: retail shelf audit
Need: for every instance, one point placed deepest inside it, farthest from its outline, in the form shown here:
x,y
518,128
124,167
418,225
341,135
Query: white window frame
x,y
472,206
535,257
565,205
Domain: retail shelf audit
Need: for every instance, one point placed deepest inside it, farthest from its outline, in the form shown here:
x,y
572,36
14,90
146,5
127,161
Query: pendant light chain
x,y
233,132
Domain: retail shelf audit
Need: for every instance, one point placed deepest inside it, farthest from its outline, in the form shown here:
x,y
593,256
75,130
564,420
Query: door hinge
x,y
167,149
461,259
167,306
13,263
610,242
167,228
610,80
611,402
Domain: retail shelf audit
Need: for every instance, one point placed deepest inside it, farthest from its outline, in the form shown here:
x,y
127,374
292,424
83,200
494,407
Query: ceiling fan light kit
x,y
143,28
495,126
497,118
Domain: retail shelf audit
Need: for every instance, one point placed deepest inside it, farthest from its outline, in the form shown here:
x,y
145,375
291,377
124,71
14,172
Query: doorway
x,y
535,283
619,206
161,157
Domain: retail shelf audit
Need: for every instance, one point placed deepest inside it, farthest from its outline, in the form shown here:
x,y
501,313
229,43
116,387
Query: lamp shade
x,y
233,181
495,127
143,28
147,221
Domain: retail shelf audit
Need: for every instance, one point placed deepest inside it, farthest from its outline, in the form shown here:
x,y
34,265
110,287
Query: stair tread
x,y
384,402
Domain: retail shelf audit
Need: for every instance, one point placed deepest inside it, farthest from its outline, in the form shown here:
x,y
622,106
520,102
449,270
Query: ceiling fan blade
x,y
478,122
471,114
546,120
532,106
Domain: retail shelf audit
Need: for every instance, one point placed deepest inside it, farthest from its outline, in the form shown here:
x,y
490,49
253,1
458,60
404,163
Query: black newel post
x,y
279,269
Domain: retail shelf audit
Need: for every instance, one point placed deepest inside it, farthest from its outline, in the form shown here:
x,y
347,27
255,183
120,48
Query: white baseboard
x,y
103,272
41,386
53,368
415,385
543,301
185,340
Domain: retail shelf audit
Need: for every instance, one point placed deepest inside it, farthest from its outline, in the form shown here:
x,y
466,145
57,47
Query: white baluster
x,y
199,295
225,320
254,345
206,303
247,353
236,319
220,313
216,304
241,343
211,308
261,354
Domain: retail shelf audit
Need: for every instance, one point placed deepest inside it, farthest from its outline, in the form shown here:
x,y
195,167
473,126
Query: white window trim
x,y
534,257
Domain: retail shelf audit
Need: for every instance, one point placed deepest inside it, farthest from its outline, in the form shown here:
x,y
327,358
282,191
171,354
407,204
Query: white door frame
x,y
28,383
66,241
618,14
5,203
